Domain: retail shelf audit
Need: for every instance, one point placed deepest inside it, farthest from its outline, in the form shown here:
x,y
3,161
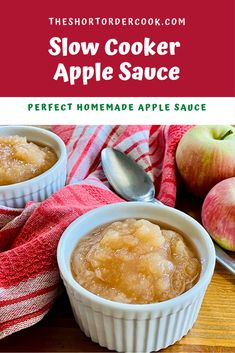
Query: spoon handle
x,y
157,202
224,259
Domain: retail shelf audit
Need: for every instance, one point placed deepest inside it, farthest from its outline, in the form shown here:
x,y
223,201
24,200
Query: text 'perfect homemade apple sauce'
x,y
134,261
21,160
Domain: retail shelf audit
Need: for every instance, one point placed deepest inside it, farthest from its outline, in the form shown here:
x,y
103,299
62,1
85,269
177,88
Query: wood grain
x,y
213,332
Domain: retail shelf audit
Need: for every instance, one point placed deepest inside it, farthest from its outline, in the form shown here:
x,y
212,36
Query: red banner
x,y
122,48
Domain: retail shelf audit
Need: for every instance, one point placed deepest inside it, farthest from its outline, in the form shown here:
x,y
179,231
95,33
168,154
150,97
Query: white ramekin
x,y
132,327
42,186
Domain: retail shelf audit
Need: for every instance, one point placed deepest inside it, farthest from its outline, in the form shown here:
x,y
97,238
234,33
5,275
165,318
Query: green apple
x,y
205,156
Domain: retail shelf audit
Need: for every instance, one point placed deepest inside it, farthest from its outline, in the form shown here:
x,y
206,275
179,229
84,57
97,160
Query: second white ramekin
x,y
44,185
131,327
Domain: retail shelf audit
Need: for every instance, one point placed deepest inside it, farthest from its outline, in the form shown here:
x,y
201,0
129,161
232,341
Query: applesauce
x,y
135,261
21,160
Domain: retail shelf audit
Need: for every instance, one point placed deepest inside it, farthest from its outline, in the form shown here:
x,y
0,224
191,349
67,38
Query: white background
x,y
15,111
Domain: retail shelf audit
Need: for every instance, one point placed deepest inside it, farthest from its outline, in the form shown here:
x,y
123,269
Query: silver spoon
x,y
131,182
127,178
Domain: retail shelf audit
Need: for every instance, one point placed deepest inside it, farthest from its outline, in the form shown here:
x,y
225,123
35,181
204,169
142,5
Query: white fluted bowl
x,y
132,327
44,185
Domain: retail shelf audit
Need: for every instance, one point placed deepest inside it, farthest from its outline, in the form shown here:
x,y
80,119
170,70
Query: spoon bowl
x,y
127,178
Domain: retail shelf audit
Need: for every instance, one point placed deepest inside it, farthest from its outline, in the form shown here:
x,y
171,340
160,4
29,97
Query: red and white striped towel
x,y
29,278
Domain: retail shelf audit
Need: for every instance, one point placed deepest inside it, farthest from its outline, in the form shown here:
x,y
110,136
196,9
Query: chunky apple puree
x,y
21,160
134,261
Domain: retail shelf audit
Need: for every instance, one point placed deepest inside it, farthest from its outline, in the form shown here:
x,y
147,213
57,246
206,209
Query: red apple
x,y
205,156
218,213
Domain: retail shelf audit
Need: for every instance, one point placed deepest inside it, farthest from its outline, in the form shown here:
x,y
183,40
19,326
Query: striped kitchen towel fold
x,y
29,277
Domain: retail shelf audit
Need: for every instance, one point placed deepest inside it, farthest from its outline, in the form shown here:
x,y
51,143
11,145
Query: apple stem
x,y
229,132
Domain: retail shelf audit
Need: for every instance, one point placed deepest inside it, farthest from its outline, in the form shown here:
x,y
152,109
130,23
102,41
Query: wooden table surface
x,y
214,330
